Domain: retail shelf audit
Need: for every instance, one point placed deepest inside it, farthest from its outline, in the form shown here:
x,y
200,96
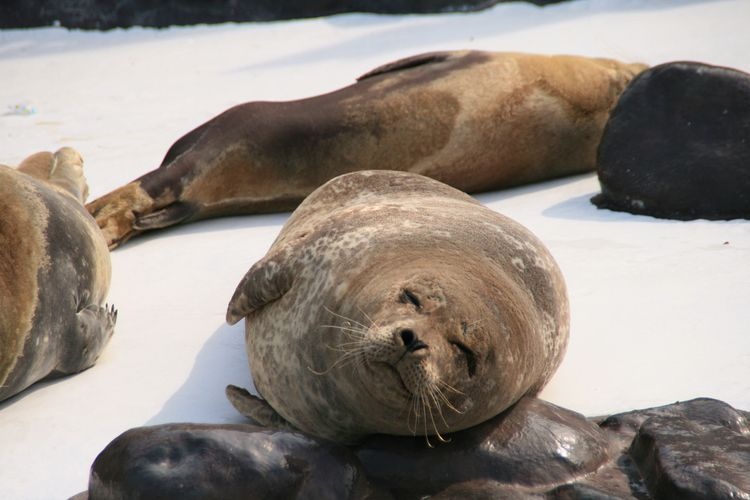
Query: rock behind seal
x,y
102,15
677,144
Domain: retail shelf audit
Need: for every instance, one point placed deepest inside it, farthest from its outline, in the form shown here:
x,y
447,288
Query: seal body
x,y
477,121
676,145
392,303
54,273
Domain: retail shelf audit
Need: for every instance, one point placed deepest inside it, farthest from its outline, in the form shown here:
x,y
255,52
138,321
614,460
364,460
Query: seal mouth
x,y
403,389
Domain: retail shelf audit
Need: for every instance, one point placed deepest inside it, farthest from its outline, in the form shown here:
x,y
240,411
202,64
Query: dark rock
x,y
677,144
534,443
535,450
485,490
199,461
695,449
579,491
693,458
108,14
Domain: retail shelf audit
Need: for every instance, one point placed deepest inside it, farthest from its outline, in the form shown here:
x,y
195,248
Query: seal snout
x,y
410,340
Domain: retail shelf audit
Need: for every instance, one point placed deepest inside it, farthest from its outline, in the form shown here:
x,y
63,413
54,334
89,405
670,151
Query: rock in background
x,y
102,15
677,144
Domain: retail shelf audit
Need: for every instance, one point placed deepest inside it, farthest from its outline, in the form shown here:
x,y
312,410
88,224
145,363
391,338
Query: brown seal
x,y
391,303
54,273
477,121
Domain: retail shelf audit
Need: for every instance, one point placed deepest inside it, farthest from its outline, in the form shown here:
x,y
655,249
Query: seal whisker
x,y
346,359
348,347
372,323
345,318
446,401
448,386
431,393
434,425
356,337
412,409
347,329
424,416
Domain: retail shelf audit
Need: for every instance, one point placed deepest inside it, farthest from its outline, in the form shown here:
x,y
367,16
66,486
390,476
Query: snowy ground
x,y
659,308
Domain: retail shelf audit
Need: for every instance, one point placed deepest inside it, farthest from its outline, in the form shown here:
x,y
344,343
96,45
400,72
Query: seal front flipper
x,y
94,327
255,408
407,63
268,280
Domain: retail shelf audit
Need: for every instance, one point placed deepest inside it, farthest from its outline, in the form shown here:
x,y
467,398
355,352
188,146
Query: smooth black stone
x,y
108,14
535,450
534,443
677,144
578,491
202,461
485,490
684,458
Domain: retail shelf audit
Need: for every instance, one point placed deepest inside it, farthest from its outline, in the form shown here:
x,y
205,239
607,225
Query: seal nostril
x,y
408,337
411,341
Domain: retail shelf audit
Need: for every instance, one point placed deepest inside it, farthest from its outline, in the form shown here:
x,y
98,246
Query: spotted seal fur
x,y
391,303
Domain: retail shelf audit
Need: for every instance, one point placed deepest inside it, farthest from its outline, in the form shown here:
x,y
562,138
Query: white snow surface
x,y
659,308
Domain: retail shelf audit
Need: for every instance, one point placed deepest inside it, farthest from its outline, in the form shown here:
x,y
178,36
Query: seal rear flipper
x,y
407,63
117,211
268,280
63,169
168,216
93,329
255,408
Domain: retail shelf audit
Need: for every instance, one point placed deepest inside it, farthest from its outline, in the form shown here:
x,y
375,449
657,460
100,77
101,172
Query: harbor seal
x,y
478,121
391,303
54,273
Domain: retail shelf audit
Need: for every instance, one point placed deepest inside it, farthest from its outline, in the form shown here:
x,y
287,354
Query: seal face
x,y
54,273
477,121
392,303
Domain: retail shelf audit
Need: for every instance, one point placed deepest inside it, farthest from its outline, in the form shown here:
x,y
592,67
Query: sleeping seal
x,y
54,273
391,303
478,121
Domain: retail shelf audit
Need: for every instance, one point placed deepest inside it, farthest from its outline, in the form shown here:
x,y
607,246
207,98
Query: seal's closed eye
x,y
410,297
471,358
